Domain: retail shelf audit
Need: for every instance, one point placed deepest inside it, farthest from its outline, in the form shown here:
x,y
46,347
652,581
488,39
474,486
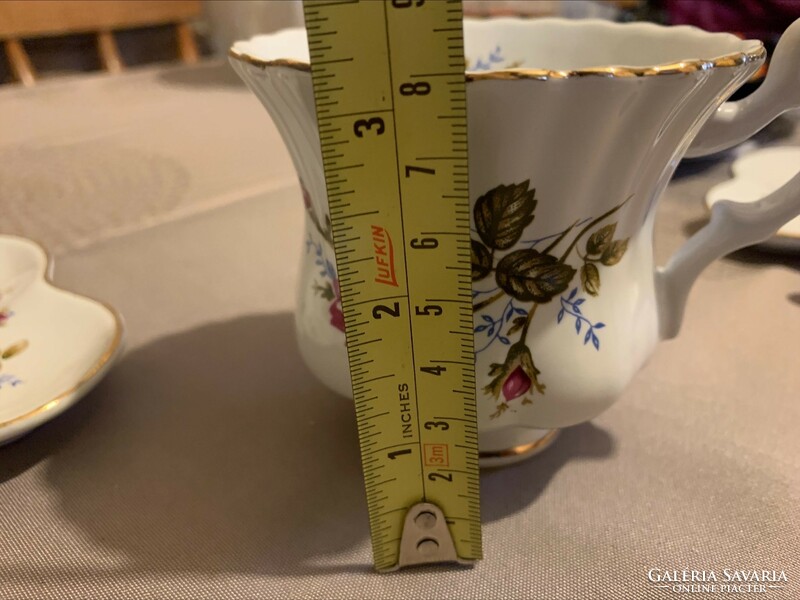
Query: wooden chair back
x,y
21,19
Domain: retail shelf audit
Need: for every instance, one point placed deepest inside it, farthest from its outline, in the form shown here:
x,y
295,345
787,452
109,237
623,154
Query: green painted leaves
x,y
614,253
517,324
326,291
590,279
527,274
603,248
503,213
530,276
481,261
14,349
603,245
600,239
11,351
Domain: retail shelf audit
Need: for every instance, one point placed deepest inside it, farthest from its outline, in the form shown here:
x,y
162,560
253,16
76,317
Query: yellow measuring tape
x,y
391,108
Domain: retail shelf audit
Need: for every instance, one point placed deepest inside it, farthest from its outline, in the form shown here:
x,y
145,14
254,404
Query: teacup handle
x,y
734,122
734,225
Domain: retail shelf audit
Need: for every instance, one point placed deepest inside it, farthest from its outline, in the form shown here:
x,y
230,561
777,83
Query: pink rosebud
x,y
337,316
4,316
516,384
306,196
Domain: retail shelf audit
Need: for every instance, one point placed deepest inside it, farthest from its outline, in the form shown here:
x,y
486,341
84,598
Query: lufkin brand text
x,y
384,256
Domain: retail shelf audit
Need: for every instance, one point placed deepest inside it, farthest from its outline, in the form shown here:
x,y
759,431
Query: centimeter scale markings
x,y
391,109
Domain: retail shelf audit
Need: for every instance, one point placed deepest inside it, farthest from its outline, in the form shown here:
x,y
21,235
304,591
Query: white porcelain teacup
x,y
575,128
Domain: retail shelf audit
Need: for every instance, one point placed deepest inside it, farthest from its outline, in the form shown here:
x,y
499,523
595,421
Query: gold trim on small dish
x,y
522,449
90,373
686,66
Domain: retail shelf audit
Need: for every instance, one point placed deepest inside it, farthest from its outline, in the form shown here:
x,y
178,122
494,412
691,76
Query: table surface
x,y
209,463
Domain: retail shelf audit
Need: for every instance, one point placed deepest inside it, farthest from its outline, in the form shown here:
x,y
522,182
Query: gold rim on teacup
x,y
734,59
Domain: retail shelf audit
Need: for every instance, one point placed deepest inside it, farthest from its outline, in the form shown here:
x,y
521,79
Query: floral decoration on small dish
x,y
9,379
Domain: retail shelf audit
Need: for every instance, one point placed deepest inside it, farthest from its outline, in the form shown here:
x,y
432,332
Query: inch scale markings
x,y
390,102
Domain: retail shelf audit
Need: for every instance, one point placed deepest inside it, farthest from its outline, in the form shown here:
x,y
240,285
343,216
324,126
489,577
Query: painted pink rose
x,y
337,316
306,196
516,384
515,377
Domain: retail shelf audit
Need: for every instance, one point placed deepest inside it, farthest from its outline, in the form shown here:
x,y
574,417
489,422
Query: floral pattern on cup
x,y
528,274
325,231
328,289
494,60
